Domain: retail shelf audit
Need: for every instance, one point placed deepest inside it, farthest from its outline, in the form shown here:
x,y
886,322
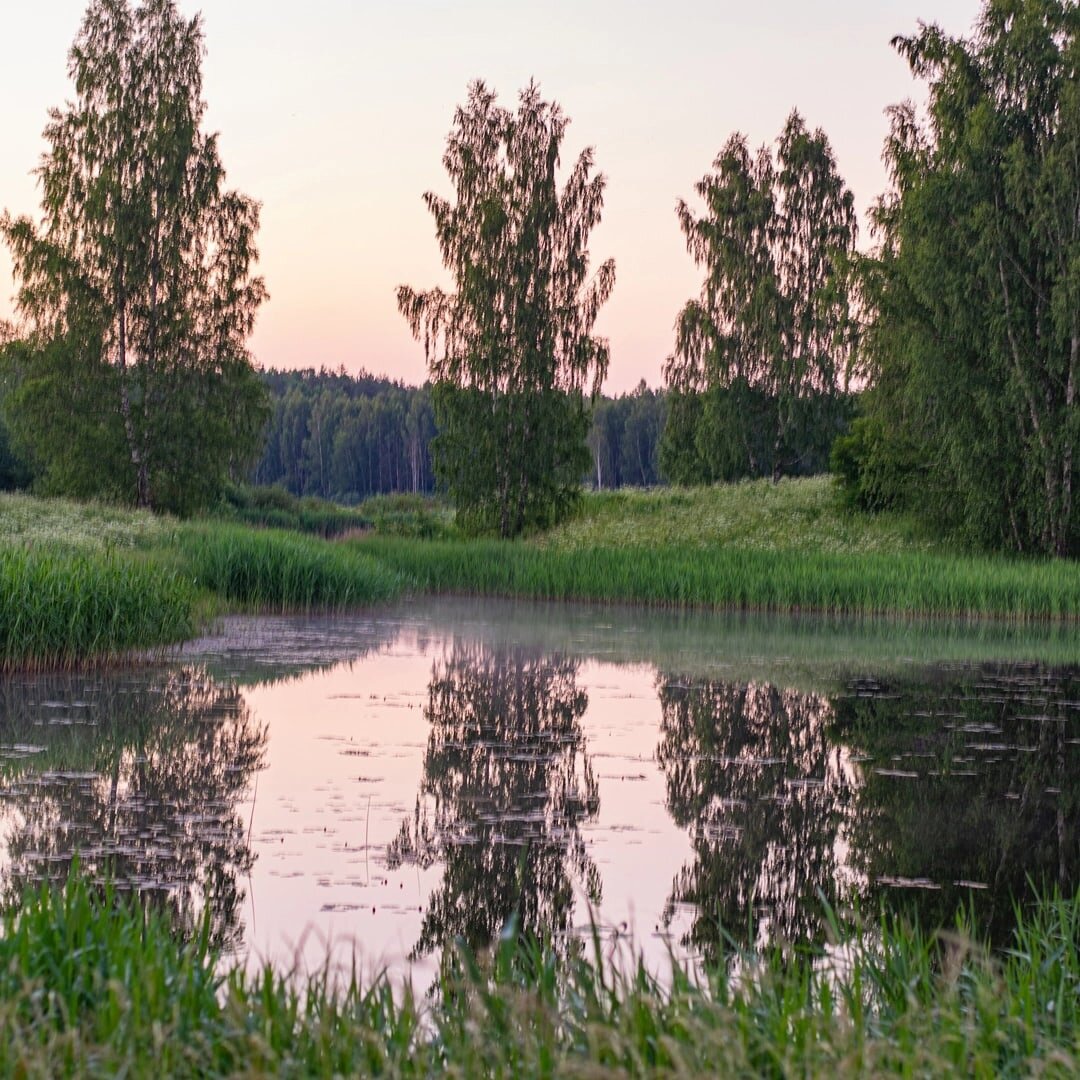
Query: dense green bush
x,y
877,470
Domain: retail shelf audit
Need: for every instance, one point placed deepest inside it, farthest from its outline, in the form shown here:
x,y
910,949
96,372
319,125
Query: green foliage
x,y
135,382
274,507
768,344
975,288
903,1000
410,515
877,470
511,351
58,609
345,437
267,570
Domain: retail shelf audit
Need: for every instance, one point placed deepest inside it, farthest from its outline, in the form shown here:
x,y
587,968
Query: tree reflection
x,y
973,793
922,793
142,775
753,775
507,784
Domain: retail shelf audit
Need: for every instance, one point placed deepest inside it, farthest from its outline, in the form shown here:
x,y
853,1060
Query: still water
x,y
380,785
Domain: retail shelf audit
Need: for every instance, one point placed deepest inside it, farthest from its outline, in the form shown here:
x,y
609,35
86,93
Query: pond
x,y
381,785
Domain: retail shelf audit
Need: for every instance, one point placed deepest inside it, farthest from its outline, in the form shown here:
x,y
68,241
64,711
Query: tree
x,y
138,286
975,287
511,352
767,345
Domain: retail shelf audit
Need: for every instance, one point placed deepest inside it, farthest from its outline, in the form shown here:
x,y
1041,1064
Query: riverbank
x,y
888,999
87,583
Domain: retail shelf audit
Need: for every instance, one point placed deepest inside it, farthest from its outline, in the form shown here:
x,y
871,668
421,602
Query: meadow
x,y
883,998
90,582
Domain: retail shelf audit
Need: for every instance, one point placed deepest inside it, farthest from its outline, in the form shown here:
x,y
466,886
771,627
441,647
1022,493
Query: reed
x,y
62,609
93,984
902,583
271,570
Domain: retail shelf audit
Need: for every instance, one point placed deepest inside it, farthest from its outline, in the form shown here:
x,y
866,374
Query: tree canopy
x,y
974,290
511,351
137,288
762,356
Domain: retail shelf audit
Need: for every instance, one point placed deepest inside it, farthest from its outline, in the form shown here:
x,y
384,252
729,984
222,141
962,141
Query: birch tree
x,y
768,342
514,363
975,286
137,287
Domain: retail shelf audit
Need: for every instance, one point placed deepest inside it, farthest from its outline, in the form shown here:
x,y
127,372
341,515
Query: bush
x,y
877,469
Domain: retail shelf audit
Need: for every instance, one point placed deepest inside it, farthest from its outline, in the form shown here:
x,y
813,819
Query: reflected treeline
x,y
143,774
507,784
932,791
974,780
754,777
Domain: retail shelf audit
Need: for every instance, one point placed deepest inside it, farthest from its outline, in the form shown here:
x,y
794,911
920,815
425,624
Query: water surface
x,y
381,785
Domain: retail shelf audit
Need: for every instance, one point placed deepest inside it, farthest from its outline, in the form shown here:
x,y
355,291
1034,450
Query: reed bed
x,y
269,570
93,984
906,584
63,609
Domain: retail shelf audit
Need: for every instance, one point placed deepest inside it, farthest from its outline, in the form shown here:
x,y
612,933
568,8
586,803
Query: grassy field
x,y
754,546
85,581
91,985
758,515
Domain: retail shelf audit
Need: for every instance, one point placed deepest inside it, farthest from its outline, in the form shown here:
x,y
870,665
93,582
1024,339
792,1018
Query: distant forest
x,y
345,437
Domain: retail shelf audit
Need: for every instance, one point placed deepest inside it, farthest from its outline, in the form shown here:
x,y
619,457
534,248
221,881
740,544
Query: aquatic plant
x,y
902,583
271,570
59,609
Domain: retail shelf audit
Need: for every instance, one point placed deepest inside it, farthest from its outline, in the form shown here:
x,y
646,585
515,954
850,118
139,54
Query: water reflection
x,y
925,793
143,776
507,784
429,779
972,791
754,776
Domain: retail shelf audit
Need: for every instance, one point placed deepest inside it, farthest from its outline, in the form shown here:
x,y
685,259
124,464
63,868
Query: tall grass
x,y
270,570
58,609
274,507
90,984
904,583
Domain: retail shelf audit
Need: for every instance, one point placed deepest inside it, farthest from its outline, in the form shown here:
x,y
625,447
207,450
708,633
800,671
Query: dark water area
x,y
383,785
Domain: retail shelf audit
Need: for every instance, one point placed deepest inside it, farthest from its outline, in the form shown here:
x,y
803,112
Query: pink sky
x,y
334,115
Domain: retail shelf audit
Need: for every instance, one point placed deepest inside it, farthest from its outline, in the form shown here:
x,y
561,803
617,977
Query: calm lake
x,y
383,784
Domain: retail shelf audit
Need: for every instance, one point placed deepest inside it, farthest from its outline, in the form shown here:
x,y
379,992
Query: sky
x,y
334,115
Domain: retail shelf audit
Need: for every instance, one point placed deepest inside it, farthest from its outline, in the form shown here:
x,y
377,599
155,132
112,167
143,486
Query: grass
x,y
755,515
58,608
92,584
906,584
87,582
91,984
271,570
274,507
753,546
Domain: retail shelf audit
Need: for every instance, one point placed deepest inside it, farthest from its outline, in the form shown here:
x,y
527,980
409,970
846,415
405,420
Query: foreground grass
x,y
58,609
92,985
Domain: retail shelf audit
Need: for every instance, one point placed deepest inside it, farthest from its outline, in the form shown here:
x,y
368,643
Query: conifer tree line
x,y
936,371
346,437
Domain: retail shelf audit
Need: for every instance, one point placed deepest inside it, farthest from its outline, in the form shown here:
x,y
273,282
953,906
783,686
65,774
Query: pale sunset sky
x,y
334,113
